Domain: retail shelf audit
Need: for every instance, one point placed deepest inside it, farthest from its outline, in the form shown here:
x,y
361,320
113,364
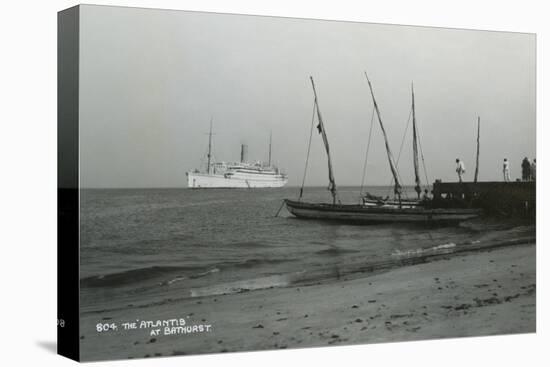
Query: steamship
x,y
241,174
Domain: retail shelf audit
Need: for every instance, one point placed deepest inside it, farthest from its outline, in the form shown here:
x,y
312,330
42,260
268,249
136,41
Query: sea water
x,y
145,247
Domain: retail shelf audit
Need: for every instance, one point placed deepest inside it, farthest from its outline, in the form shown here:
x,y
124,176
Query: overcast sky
x,y
150,80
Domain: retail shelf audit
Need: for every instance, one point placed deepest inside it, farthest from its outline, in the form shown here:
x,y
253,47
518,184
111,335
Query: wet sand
x,y
471,294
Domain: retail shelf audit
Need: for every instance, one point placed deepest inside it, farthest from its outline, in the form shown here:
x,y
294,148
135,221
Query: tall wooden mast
x,y
321,128
417,187
397,187
477,153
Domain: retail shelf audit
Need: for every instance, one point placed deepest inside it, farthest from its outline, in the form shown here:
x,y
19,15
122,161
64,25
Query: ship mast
x,y
321,128
417,187
397,187
209,146
269,160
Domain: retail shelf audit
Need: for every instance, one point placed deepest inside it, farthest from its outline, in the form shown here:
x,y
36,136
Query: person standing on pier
x,y
534,170
525,169
460,169
506,170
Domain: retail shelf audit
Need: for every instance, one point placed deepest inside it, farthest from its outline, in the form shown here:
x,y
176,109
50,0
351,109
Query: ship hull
x,y
240,181
363,214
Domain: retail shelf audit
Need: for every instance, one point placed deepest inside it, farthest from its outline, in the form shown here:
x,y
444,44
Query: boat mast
x,y
397,187
321,128
269,161
209,146
417,187
477,154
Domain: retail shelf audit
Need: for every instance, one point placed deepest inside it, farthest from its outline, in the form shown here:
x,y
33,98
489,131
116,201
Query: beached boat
x,y
382,214
375,209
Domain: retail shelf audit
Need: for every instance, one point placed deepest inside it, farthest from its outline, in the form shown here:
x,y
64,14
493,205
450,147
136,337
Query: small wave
x,y
273,281
248,244
172,281
205,273
249,263
171,274
447,247
131,276
335,251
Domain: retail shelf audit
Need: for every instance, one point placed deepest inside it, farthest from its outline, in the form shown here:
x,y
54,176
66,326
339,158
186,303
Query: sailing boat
x,y
372,200
365,213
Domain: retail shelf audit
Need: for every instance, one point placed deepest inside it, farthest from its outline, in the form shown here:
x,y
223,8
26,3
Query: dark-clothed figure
x,y
525,169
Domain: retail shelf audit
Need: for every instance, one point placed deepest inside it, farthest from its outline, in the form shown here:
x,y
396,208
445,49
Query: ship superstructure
x,y
241,174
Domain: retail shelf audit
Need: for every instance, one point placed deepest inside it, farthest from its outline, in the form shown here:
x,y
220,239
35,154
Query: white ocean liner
x,y
236,174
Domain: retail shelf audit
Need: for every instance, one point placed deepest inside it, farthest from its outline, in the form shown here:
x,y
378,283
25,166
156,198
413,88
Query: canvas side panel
x,y
68,183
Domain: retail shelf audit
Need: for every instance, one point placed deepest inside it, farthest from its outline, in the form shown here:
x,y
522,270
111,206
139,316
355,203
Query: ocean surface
x,y
144,247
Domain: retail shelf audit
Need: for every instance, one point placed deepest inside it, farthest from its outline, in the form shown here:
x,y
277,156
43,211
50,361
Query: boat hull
x,y
367,214
242,181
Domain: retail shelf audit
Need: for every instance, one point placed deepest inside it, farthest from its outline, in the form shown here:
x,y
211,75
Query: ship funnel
x,y
244,153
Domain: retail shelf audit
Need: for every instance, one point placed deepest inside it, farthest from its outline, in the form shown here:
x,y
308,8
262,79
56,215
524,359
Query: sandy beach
x,y
478,293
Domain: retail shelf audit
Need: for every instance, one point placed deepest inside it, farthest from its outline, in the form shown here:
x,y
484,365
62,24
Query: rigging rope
x,y
422,156
400,150
404,136
366,155
308,150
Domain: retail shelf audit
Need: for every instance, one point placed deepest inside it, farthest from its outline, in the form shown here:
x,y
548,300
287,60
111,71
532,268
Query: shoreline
x,y
484,292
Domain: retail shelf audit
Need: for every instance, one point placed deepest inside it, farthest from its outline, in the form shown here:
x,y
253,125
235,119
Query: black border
x,y
68,262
